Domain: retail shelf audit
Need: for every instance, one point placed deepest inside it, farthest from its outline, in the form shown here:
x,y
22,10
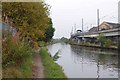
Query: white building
x,y
119,12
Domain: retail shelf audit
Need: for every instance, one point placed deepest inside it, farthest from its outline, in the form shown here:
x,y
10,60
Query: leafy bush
x,y
101,39
108,43
16,58
14,52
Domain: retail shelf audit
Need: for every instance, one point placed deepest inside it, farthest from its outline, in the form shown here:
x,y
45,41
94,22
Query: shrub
x,y
101,39
16,58
108,43
14,52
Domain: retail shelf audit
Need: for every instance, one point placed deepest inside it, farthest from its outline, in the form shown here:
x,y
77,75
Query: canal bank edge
x,y
100,47
51,69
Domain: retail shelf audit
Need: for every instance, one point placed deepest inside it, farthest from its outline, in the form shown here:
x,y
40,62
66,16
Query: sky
x,y
66,14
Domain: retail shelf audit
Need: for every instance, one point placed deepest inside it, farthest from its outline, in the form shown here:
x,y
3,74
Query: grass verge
x,y
51,69
26,68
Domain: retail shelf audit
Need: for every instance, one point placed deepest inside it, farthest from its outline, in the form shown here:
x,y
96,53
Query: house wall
x,y
104,26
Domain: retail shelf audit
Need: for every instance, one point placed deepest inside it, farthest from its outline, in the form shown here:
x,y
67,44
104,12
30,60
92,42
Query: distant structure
x,y
108,29
119,12
93,29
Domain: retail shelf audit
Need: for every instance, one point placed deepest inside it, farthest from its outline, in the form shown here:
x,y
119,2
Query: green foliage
x,y
29,18
15,56
63,39
11,72
101,39
108,43
49,32
15,52
26,67
52,69
104,41
41,43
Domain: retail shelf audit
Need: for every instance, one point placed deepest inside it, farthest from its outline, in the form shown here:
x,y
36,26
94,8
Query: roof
x,y
114,25
93,29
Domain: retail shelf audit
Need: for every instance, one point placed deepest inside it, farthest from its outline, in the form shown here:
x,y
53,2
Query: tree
x,y
31,19
64,39
49,33
101,39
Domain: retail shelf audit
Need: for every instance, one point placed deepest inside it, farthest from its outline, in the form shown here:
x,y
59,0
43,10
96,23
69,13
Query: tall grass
x,y
16,59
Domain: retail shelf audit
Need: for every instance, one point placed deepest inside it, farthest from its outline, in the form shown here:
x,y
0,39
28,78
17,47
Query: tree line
x,y
31,19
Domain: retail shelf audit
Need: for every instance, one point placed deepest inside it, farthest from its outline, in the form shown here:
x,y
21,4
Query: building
x,y
108,25
119,12
104,26
93,29
108,29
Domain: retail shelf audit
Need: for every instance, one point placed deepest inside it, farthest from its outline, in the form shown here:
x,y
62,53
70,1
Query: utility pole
x,y
71,31
75,29
82,25
82,32
98,20
98,31
90,25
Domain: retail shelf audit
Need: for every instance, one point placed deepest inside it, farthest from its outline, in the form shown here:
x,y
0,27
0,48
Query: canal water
x,y
83,62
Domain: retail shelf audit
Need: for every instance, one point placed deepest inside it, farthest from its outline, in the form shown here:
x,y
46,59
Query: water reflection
x,y
107,59
56,56
81,62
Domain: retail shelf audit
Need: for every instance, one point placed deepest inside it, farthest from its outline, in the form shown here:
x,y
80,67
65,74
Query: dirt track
x,y
37,69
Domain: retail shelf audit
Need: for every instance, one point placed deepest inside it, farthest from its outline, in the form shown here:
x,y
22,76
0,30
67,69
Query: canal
x,y
83,62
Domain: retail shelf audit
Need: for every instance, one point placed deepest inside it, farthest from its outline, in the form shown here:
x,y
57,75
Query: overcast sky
x,y
66,13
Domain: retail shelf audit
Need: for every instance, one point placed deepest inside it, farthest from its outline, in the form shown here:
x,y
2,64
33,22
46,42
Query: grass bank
x,y
51,69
